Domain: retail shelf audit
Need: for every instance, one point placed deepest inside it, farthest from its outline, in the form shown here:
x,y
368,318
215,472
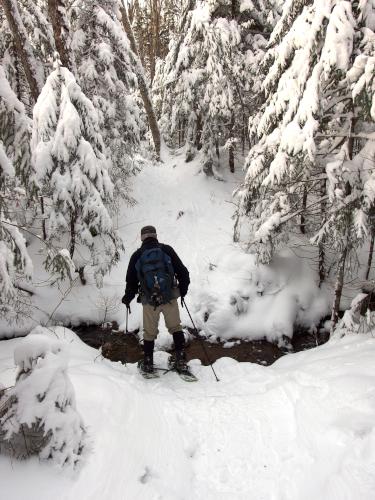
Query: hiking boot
x,y
178,361
148,364
179,341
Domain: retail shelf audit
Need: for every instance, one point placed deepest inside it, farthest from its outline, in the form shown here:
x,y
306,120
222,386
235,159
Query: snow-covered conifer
x,y
196,84
15,262
26,64
311,130
32,65
106,73
39,414
72,172
202,88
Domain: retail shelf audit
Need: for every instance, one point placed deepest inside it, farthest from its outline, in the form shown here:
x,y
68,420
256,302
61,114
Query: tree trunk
x,y
321,264
81,274
231,145
44,220
22,45
72,244
371,250
183,131
303,214
155,36
338,288
56,10
236,228
341,266
231,158
142,84
322,270
198,133
243,133
132,11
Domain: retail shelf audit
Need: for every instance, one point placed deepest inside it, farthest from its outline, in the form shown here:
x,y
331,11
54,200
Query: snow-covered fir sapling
x,y
15,263
38,416
71,171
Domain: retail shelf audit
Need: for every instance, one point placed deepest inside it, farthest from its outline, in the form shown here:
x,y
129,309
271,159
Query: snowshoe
x,y
178,364
147,370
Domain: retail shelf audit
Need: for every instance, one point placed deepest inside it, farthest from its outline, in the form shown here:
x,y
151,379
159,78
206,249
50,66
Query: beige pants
x,y
151,319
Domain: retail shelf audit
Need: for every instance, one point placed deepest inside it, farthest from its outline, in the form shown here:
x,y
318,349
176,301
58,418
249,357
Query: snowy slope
x,y
301,429
193,213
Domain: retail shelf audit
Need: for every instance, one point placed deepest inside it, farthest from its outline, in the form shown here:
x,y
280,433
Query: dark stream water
x,y
119,346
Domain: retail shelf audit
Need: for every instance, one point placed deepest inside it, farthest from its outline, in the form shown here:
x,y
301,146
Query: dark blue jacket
x,y
132,282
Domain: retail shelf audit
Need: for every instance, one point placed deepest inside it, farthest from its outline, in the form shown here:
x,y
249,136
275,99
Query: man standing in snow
x,y
157,273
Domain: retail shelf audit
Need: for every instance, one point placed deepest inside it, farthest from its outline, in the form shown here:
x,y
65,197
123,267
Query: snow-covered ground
x,y
300,429
303,428
193,213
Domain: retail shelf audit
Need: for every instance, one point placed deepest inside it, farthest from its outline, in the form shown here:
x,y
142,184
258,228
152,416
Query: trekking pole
x,y
127,320
196,334
126,325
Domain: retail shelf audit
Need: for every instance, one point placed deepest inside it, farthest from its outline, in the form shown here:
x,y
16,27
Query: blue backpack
x,y
156,276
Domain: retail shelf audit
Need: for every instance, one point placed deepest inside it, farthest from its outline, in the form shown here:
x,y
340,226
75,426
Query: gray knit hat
x,y
148,232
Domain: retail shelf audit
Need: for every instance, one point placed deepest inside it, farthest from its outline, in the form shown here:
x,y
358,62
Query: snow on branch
x,y
317,118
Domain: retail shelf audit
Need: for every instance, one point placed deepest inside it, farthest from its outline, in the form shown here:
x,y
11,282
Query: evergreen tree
x,y
154,23
106,73
39,415
196,85
32,66
142,84
15,262
72,172
203,86
311,130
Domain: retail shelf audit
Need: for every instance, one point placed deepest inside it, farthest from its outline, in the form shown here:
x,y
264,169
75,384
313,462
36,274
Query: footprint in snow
x,y
145,476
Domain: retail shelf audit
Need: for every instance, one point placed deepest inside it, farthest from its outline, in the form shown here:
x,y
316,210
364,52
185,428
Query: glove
x,y
125,300
183,291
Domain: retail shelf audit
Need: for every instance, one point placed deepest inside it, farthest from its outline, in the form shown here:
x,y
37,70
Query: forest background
x,y
92,91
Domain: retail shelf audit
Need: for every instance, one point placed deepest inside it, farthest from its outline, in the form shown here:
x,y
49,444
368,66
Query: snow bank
x,y
303,428
359,318
244,300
